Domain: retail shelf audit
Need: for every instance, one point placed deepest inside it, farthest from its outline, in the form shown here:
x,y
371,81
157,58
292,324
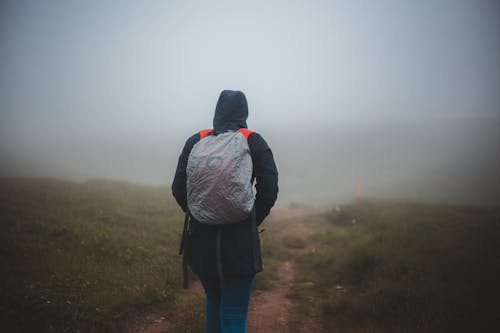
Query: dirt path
x,y
268,309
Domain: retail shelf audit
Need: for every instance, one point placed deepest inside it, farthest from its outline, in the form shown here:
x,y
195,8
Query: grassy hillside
x,y
75,256
384,266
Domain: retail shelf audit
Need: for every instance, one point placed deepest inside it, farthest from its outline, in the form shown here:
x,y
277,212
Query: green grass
x,y
293,242
77,255
273,253
405,267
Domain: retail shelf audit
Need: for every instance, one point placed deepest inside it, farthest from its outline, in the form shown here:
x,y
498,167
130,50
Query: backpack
x,y
219,177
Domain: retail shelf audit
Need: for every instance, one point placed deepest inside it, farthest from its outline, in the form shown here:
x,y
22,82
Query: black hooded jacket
x,y
240,244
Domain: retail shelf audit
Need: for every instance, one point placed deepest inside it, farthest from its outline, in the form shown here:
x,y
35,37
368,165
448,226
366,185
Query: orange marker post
x,y
358,190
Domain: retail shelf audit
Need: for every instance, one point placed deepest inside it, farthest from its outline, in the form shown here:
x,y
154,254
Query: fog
x,y
395,98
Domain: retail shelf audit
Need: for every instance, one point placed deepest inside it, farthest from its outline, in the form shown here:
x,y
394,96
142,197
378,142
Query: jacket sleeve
x,y
266,176
179,184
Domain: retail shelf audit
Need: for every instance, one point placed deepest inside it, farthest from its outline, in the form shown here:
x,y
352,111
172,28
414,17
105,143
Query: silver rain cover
x,y
219,179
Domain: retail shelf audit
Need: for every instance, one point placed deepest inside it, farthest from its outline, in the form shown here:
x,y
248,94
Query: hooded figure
x,y
231,112
231,250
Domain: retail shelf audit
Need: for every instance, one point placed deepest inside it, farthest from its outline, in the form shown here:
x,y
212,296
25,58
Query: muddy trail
x,y
269,310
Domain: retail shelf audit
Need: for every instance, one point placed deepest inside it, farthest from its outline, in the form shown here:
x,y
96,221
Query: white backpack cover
x,y
219,179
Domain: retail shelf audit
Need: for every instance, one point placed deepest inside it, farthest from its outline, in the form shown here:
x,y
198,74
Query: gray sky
x,y
113,88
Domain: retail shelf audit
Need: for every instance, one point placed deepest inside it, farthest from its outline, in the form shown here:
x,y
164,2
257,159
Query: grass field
x,y
77,255
389,266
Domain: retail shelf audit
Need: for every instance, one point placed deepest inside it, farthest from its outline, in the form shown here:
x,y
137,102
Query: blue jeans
x,y
226,309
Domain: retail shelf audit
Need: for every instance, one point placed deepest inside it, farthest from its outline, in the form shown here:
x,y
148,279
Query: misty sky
x,y
393,94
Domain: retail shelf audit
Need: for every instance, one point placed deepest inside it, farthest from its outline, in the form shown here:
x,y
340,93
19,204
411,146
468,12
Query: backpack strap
x,y
246,132
205,132
184,250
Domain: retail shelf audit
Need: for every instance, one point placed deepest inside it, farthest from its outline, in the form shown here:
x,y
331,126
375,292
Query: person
x,y
226,266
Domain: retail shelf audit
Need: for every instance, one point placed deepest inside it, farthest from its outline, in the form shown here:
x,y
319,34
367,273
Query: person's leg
x,y
234,307
213,304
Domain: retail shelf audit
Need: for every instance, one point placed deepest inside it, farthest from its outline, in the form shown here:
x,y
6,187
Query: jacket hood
x,y
231,112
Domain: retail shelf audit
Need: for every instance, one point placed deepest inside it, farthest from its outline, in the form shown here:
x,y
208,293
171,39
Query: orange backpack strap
x,y
205,132
246,132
